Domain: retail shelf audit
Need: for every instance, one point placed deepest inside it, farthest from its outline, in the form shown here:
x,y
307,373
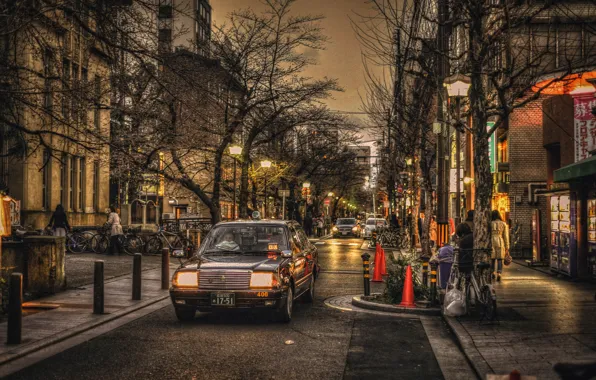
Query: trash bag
x,y
454,304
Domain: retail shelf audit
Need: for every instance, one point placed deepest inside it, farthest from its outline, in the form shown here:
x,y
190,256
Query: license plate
x,y
344,233
223,299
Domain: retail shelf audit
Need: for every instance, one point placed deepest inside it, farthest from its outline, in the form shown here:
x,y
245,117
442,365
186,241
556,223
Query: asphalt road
x,y
326,343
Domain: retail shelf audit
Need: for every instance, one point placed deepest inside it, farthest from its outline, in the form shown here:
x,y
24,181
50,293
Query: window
x,y
65,88
45,181
63,179
84,95
96,186
72,182
75,111
97,96
82,181
48,66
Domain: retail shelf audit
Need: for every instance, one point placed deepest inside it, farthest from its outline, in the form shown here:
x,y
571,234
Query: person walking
x,y
432,233
308,224
470,220
59,222
500,242
115,232
320,226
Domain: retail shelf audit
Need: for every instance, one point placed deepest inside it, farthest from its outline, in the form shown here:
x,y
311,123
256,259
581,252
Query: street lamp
x,y
235,150
457,87
266,164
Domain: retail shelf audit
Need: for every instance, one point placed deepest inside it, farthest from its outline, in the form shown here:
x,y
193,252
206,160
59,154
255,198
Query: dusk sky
x,y
341,59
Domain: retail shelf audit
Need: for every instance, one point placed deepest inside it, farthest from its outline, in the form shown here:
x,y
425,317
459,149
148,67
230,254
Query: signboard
x,y
284,193
327,202
492,148
585,126
453,180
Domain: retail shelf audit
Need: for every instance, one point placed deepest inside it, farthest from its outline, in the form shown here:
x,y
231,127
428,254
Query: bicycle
x,y
130,242
77,242
394,237
476,280
156,242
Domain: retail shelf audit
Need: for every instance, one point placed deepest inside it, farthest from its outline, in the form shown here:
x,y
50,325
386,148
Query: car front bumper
x,y
244,299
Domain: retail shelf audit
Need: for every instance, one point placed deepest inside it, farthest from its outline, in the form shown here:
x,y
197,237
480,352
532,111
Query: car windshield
x,y
346,221
244,238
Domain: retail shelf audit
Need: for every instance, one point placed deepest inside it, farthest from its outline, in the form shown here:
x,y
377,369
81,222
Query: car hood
x,y
256,262
345,225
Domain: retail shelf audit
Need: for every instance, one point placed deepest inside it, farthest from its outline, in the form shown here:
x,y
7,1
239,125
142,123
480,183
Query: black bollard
x,y
165,269
136,277
15,309
366,273
98,293
433,283
424,271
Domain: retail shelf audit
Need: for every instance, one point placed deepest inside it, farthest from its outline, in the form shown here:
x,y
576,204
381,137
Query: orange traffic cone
x,y
383,262
377,275
407,297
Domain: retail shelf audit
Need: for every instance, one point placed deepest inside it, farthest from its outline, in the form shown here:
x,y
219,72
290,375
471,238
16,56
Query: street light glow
x,y
306,185
235,150
457,85
266,164
330,194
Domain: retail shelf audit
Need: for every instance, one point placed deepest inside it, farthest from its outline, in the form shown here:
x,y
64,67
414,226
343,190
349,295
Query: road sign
x,y
327,202
284,193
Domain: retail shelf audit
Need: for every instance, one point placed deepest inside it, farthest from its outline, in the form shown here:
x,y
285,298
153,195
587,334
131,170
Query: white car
x,y
371,225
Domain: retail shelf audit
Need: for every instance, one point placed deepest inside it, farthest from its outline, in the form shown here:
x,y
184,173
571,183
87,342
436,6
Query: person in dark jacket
x,y
466,248
470,220
59,222
308,224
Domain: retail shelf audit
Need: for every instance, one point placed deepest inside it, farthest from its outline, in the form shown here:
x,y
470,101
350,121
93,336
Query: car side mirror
x,y
286,254
178,253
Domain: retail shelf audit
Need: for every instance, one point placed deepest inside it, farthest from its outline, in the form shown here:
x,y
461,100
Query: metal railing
x,y
180,225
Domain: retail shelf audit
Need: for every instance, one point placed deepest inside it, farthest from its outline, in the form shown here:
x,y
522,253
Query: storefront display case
x,y
592,236
563,235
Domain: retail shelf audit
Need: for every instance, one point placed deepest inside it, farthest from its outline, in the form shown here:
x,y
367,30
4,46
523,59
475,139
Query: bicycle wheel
x,y
132,244
100,244
489,304
76,243
153,246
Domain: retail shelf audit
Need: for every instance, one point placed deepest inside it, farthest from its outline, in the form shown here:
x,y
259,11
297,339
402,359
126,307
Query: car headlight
x,y
354,229
335,229
261,280
186,280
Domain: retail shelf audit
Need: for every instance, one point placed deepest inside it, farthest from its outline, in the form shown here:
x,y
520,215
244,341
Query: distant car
x,y
346,227
372,224
264,264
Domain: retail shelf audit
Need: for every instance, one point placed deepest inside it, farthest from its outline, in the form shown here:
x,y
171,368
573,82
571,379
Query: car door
x,y
309,252
299,259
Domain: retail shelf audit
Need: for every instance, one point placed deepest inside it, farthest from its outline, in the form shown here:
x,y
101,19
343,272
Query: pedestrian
x,y
308,224
470,220
59,222
432,233
500,242
394,221
115,232
320,226
465,238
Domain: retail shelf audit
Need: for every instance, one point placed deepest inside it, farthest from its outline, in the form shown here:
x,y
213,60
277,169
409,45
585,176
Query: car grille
x,y
345,229
224,279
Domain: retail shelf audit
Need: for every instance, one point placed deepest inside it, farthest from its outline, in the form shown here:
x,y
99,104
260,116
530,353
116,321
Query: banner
x,y
492,148
585,126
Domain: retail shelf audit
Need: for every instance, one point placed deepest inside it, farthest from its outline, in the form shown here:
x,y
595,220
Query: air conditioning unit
x,y
168,215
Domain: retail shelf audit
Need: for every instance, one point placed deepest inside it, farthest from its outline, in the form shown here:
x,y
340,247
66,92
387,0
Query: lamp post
x,y
266,164
306,185
457,87
235,150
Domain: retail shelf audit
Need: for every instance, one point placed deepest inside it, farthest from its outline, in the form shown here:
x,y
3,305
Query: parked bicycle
x,y
393,237
163,238
475,282
130,241
77,242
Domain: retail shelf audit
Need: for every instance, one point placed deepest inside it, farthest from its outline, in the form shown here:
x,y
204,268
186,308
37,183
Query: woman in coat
x,y
432,232
500,242
116,231
59,222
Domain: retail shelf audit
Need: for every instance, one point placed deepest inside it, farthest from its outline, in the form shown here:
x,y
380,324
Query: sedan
x,y
247,265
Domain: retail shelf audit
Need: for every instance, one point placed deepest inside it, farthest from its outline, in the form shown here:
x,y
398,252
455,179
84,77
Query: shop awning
x,y
576,171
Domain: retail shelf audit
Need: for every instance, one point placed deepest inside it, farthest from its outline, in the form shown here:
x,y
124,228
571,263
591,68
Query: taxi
x,y
247,264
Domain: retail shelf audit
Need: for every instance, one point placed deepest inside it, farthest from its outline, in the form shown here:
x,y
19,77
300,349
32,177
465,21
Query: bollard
x,y
424,271
15,309
98,293
433,283
165,268
366,273
136,277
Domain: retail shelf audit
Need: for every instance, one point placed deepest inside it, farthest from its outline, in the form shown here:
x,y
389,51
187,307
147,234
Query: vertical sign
x,y
492,148
585,125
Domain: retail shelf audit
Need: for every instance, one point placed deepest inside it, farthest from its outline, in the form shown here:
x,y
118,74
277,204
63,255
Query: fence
x,y
178,225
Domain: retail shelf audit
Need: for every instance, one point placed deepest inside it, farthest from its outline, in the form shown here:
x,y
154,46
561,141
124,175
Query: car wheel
x,y
310,295
285,315
185,315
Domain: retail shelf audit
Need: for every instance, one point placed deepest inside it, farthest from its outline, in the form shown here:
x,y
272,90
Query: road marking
x,y
353,244
320,243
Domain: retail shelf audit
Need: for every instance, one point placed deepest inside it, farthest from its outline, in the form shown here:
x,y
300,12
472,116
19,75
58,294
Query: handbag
x,y
508,259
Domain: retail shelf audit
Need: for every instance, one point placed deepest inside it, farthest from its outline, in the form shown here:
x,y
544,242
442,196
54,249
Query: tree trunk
x,y
243,200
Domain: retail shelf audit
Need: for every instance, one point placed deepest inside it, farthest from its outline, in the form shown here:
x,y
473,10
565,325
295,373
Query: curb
x,y
359,302
481,367
59,337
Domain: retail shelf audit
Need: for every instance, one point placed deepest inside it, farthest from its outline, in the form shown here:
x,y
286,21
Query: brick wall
x,y
527,164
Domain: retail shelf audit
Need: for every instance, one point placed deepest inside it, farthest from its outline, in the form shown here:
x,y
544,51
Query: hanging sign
x,y
585,126
492,148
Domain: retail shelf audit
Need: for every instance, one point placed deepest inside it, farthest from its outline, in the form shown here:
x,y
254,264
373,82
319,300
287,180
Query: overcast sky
x,y
341,59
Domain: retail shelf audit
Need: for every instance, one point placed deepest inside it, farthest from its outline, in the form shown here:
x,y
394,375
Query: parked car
x,y
247,265
372,224
346,227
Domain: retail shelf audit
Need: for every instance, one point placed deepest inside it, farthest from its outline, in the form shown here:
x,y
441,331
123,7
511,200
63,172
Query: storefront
x,y
573,221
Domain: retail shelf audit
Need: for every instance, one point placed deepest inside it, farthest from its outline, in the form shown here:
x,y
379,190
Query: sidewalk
x,y
69,313
543,320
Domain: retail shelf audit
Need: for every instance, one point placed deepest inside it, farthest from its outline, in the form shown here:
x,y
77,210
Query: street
x,y
319,343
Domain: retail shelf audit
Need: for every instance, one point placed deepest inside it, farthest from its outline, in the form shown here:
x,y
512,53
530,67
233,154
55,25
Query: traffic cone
x,y
383,262
407,297
377,275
